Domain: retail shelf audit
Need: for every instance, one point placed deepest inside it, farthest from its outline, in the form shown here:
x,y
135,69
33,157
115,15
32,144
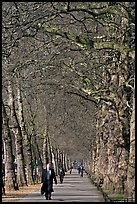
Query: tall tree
x,y
21,175
10,177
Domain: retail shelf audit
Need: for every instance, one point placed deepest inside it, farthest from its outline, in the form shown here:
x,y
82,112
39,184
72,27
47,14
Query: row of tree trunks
x,y
114,156
14,130
21,174
26,137
35,148
25,151
114,152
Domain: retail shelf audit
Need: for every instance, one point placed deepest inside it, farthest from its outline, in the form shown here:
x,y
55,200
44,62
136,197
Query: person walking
x,y
81,170
48,175
61,174
70,170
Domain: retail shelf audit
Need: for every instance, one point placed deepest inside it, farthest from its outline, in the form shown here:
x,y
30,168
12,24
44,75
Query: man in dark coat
x,y
61,173
48,175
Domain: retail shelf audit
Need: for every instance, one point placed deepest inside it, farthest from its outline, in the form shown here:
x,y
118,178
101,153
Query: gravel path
x,y
73,189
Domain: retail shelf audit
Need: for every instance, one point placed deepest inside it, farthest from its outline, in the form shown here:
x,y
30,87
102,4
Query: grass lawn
x,y
117,196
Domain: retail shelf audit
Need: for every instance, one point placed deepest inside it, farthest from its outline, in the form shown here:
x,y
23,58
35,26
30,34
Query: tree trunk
x,y
35,148
45,149
112,141
56,161
10,177
27,138
131,166
21,176
39,159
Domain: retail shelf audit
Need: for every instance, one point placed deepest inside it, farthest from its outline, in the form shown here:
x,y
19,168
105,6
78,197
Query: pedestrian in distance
x,y
81,170
70,171
61,174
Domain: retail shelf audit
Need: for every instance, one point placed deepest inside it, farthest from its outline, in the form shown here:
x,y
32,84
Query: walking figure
x,y
61,174
48,175
70,171
81,170
78,169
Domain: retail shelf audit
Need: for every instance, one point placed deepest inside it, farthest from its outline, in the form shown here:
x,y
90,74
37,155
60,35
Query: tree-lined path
x,y
68,94
73,189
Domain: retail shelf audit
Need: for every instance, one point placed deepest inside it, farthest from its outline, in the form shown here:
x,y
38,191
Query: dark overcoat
x,y
47,185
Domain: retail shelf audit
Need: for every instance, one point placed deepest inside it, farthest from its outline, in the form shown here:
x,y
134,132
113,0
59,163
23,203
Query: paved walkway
x,y
73,189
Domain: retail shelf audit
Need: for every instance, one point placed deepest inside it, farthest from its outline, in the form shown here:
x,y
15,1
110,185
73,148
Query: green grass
x,y
117,196
107,191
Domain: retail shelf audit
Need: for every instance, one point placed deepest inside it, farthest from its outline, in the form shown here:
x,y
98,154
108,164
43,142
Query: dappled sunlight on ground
x,y
25,190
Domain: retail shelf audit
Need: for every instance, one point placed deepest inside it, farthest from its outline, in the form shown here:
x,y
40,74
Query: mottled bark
x,y
21,176
56,161
63,160
131,166
111,155
45,149
53,156
26,137
67,162
112,140
38,157
10,177
35,148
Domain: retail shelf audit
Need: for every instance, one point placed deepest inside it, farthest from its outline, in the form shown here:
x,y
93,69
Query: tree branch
x,y
85,97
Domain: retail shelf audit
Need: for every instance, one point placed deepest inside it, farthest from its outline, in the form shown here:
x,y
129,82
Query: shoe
x,y
46,196
42,192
